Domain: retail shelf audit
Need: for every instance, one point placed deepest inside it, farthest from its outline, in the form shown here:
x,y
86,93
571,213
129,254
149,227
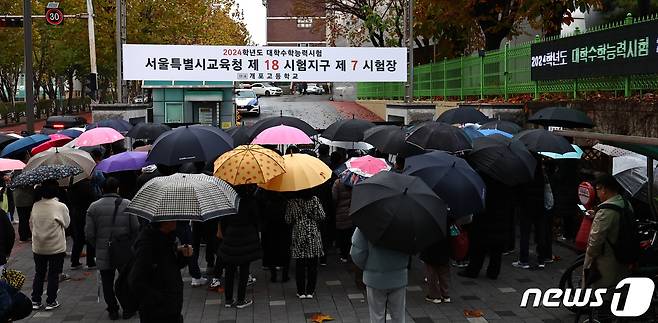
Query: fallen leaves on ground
x,y
473,313
319,318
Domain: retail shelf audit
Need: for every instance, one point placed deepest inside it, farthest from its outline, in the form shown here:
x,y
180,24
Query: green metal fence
x,y
502,73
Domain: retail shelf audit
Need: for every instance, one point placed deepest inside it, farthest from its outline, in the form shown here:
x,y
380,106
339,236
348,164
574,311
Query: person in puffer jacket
x,y
385,275
342,197
240,245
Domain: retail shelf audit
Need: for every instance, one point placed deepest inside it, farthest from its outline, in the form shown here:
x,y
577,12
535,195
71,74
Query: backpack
x,y
627,249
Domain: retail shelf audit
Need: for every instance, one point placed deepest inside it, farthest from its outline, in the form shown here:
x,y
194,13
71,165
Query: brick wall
x,y
286,30
285,8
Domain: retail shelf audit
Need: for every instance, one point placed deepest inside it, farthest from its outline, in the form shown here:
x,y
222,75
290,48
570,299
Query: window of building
x,y
173,112
304,22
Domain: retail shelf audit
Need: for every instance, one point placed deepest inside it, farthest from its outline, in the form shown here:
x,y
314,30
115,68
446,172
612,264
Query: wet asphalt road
x,y
316,110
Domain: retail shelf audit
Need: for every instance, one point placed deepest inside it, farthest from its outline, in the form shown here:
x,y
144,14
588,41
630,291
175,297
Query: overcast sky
x,y
254,16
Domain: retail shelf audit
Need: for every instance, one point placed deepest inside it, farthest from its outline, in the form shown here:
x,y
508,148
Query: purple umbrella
x,y
129,160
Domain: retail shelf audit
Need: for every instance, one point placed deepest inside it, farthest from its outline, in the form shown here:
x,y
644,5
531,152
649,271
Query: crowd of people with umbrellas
x,y
384,194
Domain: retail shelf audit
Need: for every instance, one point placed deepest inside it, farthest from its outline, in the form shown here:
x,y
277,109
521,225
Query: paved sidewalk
x,y
349,109
336,295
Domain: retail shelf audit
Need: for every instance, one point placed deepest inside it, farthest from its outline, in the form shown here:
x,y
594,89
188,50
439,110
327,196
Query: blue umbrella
x,y
577,154
24,144
452,179
472,133
489,132
71,133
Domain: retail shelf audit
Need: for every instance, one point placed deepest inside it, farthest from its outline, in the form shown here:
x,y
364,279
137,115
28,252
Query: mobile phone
x,y
582,207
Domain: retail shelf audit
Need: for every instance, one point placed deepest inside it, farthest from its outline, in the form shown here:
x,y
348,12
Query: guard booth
x,y
186,102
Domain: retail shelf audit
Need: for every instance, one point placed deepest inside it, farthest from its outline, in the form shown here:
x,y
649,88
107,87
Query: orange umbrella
x,y
302,171
249,164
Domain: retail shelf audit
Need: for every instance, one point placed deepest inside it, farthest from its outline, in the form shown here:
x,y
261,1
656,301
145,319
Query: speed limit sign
x,y
55,16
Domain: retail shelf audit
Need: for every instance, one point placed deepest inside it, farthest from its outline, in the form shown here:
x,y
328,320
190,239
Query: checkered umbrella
x,y
195,197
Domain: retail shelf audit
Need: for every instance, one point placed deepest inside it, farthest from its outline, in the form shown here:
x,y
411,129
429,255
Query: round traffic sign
x,y
54,16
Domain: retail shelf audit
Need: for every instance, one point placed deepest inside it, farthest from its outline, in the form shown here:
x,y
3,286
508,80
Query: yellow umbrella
x,y
249,164
302,172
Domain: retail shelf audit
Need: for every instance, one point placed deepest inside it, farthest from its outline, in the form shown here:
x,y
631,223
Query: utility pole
x,y
409,87
92,43
122,90
29,86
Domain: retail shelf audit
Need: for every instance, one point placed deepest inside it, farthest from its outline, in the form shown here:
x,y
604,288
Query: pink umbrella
x,y
7,164
282,135
56,140
359,168
367,165
98,136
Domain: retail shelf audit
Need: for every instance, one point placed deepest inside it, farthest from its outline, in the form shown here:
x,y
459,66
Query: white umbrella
x,y
360,145
630,171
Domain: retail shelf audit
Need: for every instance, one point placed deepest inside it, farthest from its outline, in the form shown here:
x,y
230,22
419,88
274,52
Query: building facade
x,y
184,102
295,23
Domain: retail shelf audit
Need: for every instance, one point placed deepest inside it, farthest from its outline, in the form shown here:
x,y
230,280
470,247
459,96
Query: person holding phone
x,y
155,276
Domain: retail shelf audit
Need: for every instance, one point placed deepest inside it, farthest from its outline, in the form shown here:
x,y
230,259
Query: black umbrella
x,y
6,140
44,173
398,212
502,159
189,144
117,124
561,117
347,130
451,178
240,135
270,122
150,131
391,140
462,115
502,125
440,136
541,140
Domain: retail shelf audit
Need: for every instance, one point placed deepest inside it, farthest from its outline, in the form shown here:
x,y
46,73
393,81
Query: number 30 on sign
x,y
54,16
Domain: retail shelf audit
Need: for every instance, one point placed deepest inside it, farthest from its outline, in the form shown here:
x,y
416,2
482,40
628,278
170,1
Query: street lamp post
x,y
122,91
409,87
29,86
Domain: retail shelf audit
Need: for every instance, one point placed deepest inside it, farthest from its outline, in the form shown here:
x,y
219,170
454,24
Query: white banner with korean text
x,y
275,64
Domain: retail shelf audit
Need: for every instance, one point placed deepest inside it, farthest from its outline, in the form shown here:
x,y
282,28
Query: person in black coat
x,y
533,220
80,197
490,230
437,262
155,276
240,245
7,237
276,233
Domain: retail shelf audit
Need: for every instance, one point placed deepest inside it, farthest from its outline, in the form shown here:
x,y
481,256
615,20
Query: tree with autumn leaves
x,y
449,27
61,54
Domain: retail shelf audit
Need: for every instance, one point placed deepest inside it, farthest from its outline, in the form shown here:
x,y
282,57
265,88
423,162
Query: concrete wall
x,y
124,111
616,116
378,107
